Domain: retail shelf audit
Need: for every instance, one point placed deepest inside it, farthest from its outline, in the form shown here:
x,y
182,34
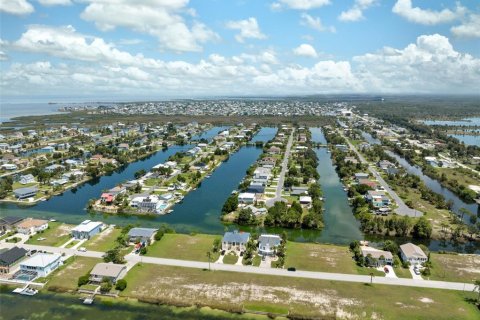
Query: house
x,y
76,174
54,167
235,240
342,147
110,271
106,198
412,253
267,161
74,162
31,226
23,193
143,235
246,198
256,187
305,200
26,179
9,166
267,244
367,182
431,161
262,173
376,257
123,147
378,199
361,175
10,257
47,149
42,264
150,203
392,171
298,191
8,223
385,164
351,159
117,190
256,211
87,229
274,150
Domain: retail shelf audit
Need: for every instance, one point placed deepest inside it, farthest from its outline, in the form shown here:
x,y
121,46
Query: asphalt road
x,y
402,209
132,259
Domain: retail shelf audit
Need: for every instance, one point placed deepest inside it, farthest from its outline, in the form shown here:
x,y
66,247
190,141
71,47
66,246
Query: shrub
x,y
105,286
121,284
82,280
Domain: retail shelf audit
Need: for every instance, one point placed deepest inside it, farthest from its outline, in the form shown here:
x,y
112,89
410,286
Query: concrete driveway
x,y
391,271
414,275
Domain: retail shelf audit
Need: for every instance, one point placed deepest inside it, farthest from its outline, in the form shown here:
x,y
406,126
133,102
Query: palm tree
x,y
476,287
209,255
371,277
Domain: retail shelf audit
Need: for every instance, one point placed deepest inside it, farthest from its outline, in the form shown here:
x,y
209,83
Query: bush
x,y
121,284
82,280
105,287
143,251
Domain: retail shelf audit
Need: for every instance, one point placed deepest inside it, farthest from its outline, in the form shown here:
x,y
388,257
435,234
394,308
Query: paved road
x,y
281,178
132,259
403,209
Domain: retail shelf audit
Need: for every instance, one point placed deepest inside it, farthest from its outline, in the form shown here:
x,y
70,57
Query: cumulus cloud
x,y
305,50
55,2
16,7
159,18
248,29
355,13
299,4
315,23
405,9
468,29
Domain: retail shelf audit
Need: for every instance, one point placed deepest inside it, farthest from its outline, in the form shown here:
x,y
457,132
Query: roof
x,y
30,223
412,251
25,190
235,236
10,256
10,220
376,253
41,260
141,232
272,240
108,269
87,226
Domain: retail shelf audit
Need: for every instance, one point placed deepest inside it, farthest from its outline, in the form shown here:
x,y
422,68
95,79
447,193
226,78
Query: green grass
x,y
252,306
455,267
104,240
230,258
184,247
72,243
56,235
66,277
306,297
402,272
90,287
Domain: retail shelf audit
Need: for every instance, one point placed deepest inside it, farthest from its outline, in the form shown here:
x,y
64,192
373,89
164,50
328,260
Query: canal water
x,y
209,134
48,306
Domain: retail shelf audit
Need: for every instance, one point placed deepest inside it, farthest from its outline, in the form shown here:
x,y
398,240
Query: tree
x,y
105,286
231,204
143,251
246,217
114,256
422,229
391,246
83,280
121,284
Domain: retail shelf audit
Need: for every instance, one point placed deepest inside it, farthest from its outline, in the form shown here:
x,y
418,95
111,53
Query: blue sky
x,y
151,49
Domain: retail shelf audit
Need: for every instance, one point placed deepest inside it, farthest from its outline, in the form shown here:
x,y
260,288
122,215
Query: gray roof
x,y
235,236
25,190
272,240
412,251
12,255
141,232
108,270
10,220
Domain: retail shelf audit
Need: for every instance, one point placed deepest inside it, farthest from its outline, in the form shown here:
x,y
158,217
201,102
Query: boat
x,y
88,301
26,291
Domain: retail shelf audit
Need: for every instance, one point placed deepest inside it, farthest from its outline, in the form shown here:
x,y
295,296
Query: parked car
x,y
31,252
82,249
386,270
416,270
291,269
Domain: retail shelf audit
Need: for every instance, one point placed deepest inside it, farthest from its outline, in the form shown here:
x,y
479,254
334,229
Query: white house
x,y
26,179
246,198
235,240
267,243
376,257
87,229
41,263
111,271
9,166
412,253
31,226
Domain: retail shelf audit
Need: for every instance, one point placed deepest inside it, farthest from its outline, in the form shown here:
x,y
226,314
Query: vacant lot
x,y
324,258
67,276
317,298
455,267
103,241
56,235
184,247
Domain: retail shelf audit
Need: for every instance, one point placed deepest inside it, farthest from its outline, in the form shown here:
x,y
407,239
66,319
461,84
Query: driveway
x,y
414,275
391,271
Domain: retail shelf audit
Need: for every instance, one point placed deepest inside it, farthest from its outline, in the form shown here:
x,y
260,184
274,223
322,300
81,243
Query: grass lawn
x,y
57,234
402,273
72,243
307,297
66,277
455,267
324,258
230,258
184,247
103,241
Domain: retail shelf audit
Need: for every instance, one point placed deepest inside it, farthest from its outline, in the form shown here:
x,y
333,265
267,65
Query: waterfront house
x,y
76,174
86,229
256,187
110,271
375,257
31,226
361,175
8,223
412,253
54,167
9,166
235,240
262,173
274,150
246,198
143,235
385,164
23,193
10,257
367,182
26,179
267,244
106,198
305,200
378,199
298,191
42,264
431,161
342,147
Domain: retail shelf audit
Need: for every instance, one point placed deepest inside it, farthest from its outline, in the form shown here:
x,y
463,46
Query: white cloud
x,y
355,13
468,29
305,50
16,7
315,23
405,9
55,2
159,18
248,29
299,4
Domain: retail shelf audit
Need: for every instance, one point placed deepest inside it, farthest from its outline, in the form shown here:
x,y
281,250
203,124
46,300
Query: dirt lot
x,y
455,267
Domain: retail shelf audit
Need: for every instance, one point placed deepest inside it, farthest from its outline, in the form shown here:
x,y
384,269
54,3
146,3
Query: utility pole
x,y
209,255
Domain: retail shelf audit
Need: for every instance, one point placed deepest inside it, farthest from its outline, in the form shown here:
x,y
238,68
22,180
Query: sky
x,y
153,49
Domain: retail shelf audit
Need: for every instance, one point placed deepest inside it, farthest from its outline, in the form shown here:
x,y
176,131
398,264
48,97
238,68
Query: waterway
x,y
209,134
469,140
47,306
474,121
